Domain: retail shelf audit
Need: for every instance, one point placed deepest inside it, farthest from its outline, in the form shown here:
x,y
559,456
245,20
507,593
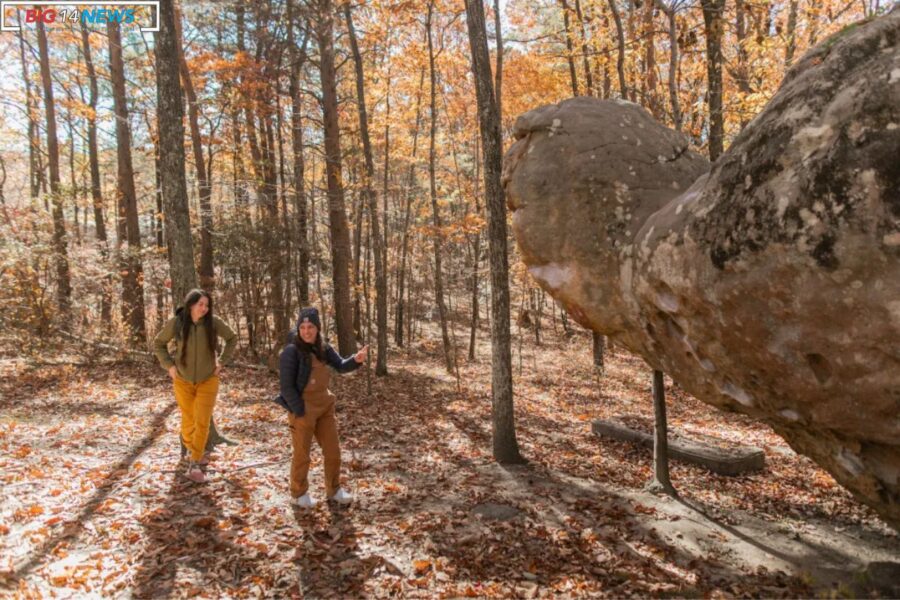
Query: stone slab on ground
x,y
496,512
719,456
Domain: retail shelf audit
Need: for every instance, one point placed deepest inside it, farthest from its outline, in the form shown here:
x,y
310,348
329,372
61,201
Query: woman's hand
x,y
173,372
217,370
360,356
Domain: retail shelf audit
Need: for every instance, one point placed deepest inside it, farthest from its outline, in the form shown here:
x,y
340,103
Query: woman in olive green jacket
x,y
195,368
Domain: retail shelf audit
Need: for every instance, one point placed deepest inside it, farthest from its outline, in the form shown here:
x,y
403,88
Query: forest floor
x,y
94,500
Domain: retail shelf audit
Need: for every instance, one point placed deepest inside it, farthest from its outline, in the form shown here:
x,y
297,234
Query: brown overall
x,y
317,421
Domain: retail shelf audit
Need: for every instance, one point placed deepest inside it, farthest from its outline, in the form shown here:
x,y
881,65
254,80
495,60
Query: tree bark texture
x,y
60,241
712,19
339,229
170,115
128,231
371,201
505,445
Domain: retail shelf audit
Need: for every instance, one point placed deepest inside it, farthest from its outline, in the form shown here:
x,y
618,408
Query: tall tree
x,y
207,273
741,71
498,70
506,447
2,185
411,187
265,165
340,230
128,236
570,51
170,125
371,200
449,359
669,10
648,81
588,78
298,57
60,243
170,115
712,20
94,167
620,57
34,145
791,33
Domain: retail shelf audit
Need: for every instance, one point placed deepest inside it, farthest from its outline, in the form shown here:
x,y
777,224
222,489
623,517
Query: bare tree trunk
x,y
170,125
620,59
384,197
588,78
60,243
206,272
372,202
673,61
741,72
340,234
357,212
505,445
262,149
286,225
73,183
570,51
159,237
449,359
661,482
649,82
476,254
712,19
498,70
34,143
411,184
2,185
127,227
94,160
791,33
599,343
298,57
438,268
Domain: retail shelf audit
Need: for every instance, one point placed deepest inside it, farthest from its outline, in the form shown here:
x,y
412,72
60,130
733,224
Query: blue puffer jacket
x,y
294,369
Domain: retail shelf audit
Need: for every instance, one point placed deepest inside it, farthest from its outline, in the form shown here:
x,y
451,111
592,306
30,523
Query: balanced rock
x,y
768,285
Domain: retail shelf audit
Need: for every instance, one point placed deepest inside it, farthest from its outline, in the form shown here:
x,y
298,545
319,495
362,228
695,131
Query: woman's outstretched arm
x,y
341,364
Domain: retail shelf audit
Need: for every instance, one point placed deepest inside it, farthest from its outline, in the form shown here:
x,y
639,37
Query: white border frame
x,y
5,3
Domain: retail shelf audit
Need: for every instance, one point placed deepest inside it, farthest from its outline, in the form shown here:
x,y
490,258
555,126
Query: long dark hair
x,y
183,327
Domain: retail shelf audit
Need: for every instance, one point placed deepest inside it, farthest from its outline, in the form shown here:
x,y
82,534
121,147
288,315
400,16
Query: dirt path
x,y
93,499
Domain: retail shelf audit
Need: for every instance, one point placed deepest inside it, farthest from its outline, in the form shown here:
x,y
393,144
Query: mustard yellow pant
x,y
318,422
196,401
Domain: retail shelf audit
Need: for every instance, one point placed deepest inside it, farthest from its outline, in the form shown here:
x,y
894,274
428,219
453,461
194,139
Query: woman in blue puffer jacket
x,y
305,375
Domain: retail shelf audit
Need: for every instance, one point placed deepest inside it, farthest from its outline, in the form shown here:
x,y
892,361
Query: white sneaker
x,y
342,496
305,501
195,474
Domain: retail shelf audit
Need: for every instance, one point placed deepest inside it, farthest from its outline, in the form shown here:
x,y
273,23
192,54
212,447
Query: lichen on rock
x,y
767,283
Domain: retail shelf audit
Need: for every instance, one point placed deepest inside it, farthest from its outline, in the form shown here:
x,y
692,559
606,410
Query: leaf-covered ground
x,y
94,500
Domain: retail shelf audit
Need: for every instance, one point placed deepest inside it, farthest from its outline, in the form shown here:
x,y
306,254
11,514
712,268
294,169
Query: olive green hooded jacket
x,y
200,362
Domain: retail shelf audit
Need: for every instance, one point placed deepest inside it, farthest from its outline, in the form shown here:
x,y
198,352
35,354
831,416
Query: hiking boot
x,y
195,474
305,501
342,496
204,460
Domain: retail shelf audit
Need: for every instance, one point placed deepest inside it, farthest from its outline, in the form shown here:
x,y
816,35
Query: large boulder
x,y
768,285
